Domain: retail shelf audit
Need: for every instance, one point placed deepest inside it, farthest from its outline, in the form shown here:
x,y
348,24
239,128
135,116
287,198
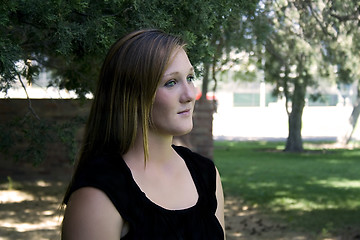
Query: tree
x,y
70,38
229,34
339,21
294,58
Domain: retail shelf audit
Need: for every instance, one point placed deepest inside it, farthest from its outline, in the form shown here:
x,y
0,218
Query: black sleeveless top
x,y
146,219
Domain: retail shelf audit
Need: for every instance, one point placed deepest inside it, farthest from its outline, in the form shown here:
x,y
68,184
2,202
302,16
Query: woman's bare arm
x,y
220,202
91,215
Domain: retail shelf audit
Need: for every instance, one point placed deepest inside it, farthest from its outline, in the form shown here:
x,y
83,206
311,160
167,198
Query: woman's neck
x,y
159,149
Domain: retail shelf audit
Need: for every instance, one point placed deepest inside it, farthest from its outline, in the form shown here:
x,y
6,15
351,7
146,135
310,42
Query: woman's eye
x,y
170,83
190,78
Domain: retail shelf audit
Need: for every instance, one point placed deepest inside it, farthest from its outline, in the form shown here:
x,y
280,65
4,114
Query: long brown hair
x,y
126,89
125,92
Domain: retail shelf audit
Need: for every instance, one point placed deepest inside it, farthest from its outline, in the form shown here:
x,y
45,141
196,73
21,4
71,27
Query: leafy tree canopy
x,y
70,38
305,43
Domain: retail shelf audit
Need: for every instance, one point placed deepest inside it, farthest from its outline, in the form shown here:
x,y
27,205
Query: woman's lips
x,y
185,112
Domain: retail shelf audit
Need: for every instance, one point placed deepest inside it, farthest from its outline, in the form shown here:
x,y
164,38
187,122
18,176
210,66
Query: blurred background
x,y
277,106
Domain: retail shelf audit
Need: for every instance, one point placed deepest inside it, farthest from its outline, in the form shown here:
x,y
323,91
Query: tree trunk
x,y
352,120
294,141
205,82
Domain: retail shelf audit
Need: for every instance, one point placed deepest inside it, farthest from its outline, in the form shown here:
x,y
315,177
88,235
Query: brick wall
x,y
200,139
62,110
57,159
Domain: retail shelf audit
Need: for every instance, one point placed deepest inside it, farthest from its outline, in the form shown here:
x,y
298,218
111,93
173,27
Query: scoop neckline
x,y
154,204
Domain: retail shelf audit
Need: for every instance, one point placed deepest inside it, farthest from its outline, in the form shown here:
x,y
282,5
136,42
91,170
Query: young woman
x,y
130,181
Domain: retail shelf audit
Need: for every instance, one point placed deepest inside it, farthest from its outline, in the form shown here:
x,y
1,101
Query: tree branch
x,y
286,90
317,19
27,96
345,18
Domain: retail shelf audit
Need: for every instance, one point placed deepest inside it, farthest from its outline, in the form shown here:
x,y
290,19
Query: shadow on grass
x,y
314,192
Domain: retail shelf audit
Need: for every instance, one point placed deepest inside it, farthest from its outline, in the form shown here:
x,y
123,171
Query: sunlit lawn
x,y
316,191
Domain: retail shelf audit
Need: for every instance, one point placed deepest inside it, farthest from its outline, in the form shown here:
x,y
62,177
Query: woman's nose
x,y
188,92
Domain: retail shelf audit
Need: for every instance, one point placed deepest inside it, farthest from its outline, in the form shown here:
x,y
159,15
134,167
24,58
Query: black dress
x,y
146,219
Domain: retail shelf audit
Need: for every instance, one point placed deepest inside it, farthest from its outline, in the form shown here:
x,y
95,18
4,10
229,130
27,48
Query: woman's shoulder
x,y
103,173
101,168
103,215
202,168
193,157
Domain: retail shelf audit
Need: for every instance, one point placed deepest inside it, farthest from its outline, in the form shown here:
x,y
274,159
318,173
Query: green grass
x,y
316,191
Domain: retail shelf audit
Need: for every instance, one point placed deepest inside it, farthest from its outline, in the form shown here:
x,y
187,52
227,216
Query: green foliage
x,y
34,135
313,191
10,183
6,138
70,38
307,42
65,133
302,45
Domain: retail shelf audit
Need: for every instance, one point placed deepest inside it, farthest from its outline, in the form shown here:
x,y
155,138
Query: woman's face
x,y
175,97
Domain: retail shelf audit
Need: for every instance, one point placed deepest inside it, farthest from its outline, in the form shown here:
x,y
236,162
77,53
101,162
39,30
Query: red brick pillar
x,y
200,139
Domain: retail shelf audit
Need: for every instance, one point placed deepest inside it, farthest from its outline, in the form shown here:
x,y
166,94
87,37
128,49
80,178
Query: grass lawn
x,y
316,191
